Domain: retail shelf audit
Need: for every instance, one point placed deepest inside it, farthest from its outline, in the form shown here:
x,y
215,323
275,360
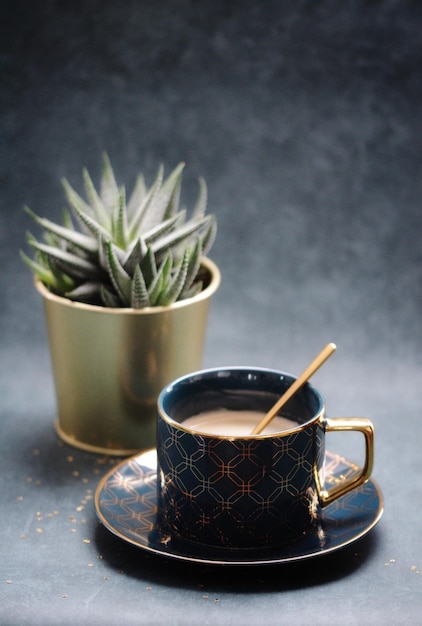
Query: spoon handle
x,y
294,387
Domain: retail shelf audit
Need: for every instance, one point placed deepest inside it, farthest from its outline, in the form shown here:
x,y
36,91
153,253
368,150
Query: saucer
x,y
126,503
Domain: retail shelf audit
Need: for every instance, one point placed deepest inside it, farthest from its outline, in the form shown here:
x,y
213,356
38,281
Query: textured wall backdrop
x,y
304,118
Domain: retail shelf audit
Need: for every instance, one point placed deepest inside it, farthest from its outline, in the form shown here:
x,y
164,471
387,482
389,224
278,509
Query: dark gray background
x,y
305,119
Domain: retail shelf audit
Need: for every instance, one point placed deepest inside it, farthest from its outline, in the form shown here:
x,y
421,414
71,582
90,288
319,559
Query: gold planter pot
x,y
109,365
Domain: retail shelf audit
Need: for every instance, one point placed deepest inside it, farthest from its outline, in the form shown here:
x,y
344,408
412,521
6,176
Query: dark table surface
x,y
305,120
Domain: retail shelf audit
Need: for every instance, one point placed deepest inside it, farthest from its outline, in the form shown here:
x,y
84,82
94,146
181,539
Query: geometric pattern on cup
x,y
244,490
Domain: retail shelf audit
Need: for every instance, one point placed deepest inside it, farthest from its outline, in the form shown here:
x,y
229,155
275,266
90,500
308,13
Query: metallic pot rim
x,y
203,295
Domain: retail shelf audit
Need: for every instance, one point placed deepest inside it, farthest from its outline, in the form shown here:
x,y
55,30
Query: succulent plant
x,y
136,254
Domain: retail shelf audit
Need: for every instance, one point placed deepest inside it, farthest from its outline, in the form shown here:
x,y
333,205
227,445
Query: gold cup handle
x,y
359,424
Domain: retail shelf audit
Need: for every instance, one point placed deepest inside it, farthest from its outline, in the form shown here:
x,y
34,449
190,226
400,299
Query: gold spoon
x,y
294,387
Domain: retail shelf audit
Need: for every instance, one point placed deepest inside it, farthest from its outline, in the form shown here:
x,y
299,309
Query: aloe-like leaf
x,y
165,227
109,299
109,191
155,288
168,267
161,279
95,201
77,239
139,296
134,256
201,202
137,196
119,227
90,291
67,219
139,213
193,291
149,266
166,201
32,240
175,238
90,224
208,237
176,285
173,204
54,241
58,282
120,279
166,270
194,263
103,243
76,203
102,252
66,261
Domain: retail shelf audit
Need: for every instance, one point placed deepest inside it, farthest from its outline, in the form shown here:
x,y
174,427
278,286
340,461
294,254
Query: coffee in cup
x,y
235,423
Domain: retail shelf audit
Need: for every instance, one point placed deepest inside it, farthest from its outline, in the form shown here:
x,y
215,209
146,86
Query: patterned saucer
x,y
126,503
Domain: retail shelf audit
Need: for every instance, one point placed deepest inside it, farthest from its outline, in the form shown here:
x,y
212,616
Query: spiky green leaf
x,y
137,196
134,256
90,224
155,288
67,219
201,202
165,227
184,233
194,262
139,297
119,227
148,266
166,270
193,291
72,264
89,291
53,241
109,190
176,183
100,212
121,280
208,236
166,201
175,287
109,299
79,240
138,213
54,279
77,204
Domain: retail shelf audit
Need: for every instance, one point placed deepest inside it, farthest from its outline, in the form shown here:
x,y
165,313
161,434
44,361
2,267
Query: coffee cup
x,y
221,486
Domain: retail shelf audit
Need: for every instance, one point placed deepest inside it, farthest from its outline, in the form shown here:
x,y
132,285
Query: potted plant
x,y
126,288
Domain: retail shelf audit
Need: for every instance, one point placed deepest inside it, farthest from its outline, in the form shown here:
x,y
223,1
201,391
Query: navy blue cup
x,y
252,490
